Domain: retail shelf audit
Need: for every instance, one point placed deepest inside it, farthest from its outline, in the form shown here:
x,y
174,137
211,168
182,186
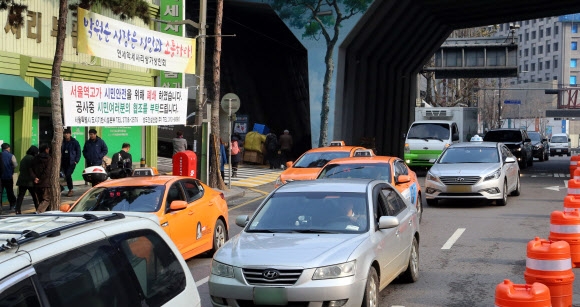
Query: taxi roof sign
x,y
363,153
145,172
337,143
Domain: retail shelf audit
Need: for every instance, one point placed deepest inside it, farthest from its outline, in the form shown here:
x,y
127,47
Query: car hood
x,y
295,173
463,169
288,249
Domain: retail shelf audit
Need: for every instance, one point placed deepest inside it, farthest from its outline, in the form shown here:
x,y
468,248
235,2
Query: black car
x,y
517,140
541,147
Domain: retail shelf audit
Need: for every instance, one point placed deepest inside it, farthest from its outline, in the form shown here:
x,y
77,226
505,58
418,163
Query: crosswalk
x,y
558,175
248,175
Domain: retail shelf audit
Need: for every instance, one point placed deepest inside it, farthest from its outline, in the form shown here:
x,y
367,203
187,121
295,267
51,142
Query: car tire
x,y
503,200
518,189
419,206
220,236
542,157
371,295
412,273
432,202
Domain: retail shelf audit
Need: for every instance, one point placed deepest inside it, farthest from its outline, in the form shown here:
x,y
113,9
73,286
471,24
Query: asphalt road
x,y
466,247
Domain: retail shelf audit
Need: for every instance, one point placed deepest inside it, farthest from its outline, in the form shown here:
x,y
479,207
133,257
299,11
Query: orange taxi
x,y
307,166
391,169
194,215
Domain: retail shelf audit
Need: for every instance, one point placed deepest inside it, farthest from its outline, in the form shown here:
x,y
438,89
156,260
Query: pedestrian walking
x,y
223,158
25,182
7,178
286,143
179,142
94,149
40,171
70,157
271,144
235,146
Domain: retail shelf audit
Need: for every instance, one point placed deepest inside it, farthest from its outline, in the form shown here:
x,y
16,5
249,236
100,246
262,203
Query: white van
x,y
560,144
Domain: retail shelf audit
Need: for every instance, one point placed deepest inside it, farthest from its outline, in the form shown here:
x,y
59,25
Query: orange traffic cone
x,y
571,203
550,263
574,164
565,226
508,294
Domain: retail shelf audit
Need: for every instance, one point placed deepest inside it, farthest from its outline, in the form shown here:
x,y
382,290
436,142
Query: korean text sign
x,y
90,104
122,42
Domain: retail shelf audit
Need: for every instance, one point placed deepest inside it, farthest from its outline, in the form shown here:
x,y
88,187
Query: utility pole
x,y
499,105
201,62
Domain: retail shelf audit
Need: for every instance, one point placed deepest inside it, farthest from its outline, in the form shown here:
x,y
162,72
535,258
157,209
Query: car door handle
x,y
398,232
190,212
165,224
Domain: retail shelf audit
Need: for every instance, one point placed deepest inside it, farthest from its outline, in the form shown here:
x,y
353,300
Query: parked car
x,y
307,166
560,145
194,215
517,140
391,169
480,170
91,259
323,241
541,147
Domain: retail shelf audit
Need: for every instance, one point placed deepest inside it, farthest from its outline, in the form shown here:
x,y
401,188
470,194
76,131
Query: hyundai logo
x,y
271,274
459,179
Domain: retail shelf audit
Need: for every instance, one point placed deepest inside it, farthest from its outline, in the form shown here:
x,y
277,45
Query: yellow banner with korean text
x,y
118,41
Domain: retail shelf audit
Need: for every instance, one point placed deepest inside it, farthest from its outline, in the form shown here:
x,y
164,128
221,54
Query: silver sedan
x,y
476,170
328,242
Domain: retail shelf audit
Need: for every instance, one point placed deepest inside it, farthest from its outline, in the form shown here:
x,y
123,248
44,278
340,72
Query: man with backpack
x,y
121,163
272,149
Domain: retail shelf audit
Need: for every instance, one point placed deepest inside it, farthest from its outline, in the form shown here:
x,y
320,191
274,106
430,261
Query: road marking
x,y
453,238
553,188
201,281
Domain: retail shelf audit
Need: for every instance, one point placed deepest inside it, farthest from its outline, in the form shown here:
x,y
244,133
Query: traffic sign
x,y
512,101
230,102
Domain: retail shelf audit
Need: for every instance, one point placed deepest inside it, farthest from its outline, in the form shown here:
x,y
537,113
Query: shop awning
x,y
42,86
15,86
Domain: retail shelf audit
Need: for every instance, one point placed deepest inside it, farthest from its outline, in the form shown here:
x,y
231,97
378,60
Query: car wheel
x,y
371,296
542,157
412,272
518,189
419,206
432,202
220,235
503,200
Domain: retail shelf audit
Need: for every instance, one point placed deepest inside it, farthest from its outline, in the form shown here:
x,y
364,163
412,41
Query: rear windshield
x,y
127,198
428,131
380,171
319,159
559,139
503,136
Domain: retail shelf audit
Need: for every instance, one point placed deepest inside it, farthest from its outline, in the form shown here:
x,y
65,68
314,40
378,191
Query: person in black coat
x,y
40,172
94,149
71,155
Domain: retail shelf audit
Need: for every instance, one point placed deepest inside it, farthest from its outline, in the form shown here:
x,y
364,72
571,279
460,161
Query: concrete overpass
x,y
379,60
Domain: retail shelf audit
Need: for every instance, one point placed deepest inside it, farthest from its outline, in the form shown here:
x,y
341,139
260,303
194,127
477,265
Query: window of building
x,y
540,49
573,63
520,53
501,27
527,22
526,67
548,31
555,46
520,38
533,66
527,37
574,46
556,30
547,64
525,81
555,63
575,28
533,51
540,65
572,80
533,21
539,79
533,34
541,33
526,52
548,47
555,78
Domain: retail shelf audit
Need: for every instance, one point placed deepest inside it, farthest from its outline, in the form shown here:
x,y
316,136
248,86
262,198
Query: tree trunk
x,y
323,140
215,179
56,106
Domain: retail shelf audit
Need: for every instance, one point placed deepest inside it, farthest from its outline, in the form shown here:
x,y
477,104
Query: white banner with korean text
x,y
122,42
108,105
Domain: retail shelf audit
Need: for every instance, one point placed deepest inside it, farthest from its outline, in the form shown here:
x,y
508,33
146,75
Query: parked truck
x,y
434,129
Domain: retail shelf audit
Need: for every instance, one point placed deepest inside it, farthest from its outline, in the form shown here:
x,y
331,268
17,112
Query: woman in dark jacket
x,y
40,171
25,182
236,157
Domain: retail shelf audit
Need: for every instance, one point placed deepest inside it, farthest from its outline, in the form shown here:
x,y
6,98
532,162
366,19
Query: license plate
x,y
459,188
270,296
558,150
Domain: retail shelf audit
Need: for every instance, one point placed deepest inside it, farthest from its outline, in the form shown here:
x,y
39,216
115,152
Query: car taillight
x,y
407,148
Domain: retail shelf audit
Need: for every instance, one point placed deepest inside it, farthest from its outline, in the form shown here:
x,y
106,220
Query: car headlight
x,y
335,271
433,177
220,269
494,175
518,149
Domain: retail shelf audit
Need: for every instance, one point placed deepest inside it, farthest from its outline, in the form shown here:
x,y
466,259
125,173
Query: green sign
x,y
114,137
171,10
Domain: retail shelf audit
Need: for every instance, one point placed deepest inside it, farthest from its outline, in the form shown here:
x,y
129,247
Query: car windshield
x,y
559,139
128,198
429,131
371,171
470,155
503,136
535,137
319,159
312,212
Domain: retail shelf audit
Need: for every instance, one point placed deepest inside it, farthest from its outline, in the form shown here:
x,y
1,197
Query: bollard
x,y
571,203
574,164
565,226
142,162
550,263
508,294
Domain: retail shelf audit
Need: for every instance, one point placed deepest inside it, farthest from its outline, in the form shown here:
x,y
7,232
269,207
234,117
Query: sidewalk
x,y
28,205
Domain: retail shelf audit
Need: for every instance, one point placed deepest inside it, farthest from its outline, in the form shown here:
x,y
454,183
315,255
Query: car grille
x,y
453,180
246,303
284,278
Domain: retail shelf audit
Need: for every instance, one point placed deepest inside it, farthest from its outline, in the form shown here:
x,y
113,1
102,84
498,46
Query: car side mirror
x,y
289,164
455,137
386,222
242,220
403,178
65,207
510,160
178,205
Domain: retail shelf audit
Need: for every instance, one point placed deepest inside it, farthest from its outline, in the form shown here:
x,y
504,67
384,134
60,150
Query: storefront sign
x,y
122,42
90,104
